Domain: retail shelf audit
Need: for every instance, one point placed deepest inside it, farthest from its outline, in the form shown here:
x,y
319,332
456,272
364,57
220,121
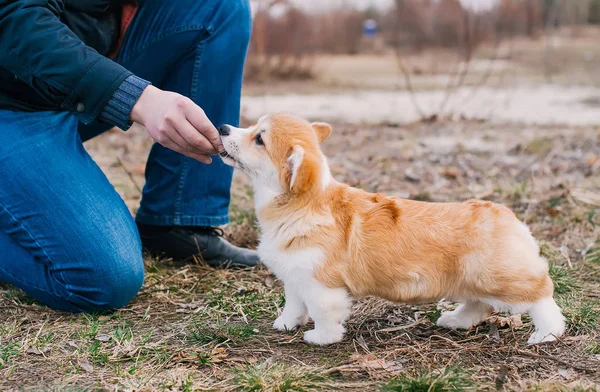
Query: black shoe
x,y
205,243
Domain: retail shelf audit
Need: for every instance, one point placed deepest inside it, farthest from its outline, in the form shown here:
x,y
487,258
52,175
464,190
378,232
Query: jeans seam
x,y
192,219
18,222
179,192
196,72
183,29
188,216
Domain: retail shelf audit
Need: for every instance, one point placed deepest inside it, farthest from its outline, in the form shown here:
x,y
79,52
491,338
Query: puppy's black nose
x,y
224,130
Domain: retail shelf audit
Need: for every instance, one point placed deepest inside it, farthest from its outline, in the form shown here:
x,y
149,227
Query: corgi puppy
x,y
328,242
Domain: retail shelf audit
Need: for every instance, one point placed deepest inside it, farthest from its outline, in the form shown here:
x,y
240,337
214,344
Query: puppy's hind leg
x,y
548,320
465,315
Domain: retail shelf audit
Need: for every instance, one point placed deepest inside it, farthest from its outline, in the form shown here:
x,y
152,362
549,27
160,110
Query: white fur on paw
x,y
322,337
541,337
454,320
303,320
283,323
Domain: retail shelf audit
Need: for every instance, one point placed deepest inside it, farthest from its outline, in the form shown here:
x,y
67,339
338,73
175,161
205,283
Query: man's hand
x,y
177,123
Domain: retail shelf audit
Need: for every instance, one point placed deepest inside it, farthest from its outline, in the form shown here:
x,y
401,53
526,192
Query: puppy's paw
x,y
303,320
541,337
454,320
285,323
324,336
464,316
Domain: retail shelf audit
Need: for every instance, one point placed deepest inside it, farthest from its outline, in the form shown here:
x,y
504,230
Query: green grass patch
x,y
8,351
519,191
582,313
18,295
593,255
123,332
593,347
242,216
563,279
280,378
540,147
202,334
249,302
433,313
449,379
550,253
96,354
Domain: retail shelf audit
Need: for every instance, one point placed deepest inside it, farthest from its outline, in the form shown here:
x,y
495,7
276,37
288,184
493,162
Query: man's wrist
x,y
118,110
140,108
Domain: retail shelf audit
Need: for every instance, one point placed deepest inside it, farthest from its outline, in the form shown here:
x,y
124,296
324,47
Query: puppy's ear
x,y
322,130
294,161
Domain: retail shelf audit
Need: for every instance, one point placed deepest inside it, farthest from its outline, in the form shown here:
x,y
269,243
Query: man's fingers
x,y
169,143
200,158
195,115
176,146
180,142
198,142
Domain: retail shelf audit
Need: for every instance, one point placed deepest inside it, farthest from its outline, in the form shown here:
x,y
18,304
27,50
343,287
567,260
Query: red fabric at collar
x,y
128,11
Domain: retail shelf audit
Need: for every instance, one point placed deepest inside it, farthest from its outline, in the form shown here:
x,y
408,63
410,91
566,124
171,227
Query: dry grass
x,y
196,328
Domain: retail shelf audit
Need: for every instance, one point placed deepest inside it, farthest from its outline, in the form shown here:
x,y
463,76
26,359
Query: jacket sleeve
x,y
44,53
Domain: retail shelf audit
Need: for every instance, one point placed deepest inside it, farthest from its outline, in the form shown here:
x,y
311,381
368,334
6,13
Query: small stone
x,y
411,175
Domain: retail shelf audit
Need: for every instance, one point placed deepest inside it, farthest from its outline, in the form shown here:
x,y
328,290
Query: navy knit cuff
x,y
118,109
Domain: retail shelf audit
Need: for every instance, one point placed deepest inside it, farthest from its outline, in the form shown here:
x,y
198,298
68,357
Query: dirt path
x,y
545,104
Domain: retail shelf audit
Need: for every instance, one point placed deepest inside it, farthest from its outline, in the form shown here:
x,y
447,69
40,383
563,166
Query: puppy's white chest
x,y
289,265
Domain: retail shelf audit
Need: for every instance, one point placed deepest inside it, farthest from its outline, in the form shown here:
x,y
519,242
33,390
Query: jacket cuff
x,y
119,106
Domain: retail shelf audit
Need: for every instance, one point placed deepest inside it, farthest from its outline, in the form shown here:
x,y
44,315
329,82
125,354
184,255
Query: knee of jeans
x,y
116,281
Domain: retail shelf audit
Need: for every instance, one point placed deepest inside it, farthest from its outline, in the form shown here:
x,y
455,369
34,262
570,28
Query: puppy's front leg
x,y
294,312
329,309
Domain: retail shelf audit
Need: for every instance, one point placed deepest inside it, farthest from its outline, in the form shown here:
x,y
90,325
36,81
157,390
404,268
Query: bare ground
x,y
195,328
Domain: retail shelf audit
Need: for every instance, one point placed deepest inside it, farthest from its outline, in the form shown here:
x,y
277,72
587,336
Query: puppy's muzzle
x,y
224,130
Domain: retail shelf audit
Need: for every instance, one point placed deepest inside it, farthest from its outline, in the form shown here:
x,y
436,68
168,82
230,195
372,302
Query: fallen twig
x,y
401,327
558,360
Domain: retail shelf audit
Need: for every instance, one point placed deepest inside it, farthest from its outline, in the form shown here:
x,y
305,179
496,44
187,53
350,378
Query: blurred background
x,y
439,100
406,60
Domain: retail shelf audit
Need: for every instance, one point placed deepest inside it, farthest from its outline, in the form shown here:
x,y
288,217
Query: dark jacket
x,y
53,55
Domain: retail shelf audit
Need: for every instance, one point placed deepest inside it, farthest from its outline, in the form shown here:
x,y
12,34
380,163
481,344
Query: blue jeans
x,y
66,237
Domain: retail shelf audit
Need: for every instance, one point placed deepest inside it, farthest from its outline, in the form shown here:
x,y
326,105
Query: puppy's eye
x,y
259,140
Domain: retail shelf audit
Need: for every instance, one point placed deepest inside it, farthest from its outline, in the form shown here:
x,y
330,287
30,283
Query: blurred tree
x,y
594,13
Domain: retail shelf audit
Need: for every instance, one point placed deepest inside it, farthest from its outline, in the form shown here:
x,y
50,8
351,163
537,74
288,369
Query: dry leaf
x,y
218,354
450,172
85,365
553,211
514,321
369,361
591,159
362,343
269,281
494,333
38,351
103,338
565,373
